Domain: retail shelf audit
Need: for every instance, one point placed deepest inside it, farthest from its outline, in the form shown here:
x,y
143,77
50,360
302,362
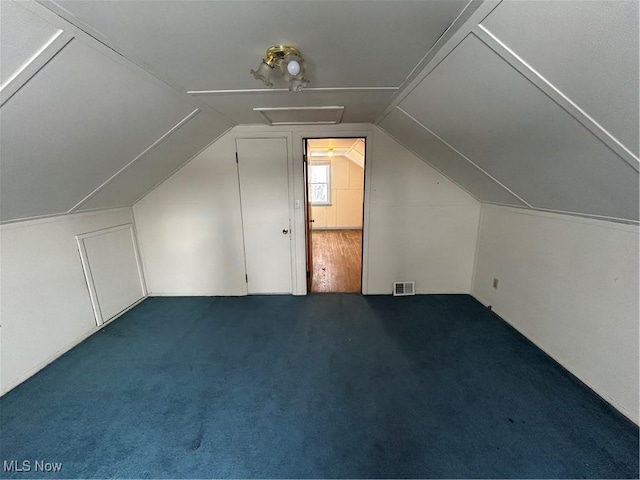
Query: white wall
x,y
45,304
190,228
422,227
347,196
570,285
418,225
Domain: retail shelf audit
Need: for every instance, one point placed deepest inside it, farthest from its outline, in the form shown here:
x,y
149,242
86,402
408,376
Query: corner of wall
x,y
570,285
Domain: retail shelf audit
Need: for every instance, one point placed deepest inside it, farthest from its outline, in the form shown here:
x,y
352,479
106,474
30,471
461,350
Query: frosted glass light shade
x,y
263,73
293,67
298,85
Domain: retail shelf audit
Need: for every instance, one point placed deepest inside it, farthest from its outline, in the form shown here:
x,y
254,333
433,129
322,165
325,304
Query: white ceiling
x,y
41,119
22,35
594,37
212,45
510,129
84,120
520,102
448,161
359,107
541,99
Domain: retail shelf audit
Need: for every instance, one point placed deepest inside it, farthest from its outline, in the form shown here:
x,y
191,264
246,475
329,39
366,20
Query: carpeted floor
x,y
331,385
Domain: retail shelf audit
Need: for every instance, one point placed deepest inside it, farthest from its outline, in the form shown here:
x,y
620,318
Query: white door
x,y
264,195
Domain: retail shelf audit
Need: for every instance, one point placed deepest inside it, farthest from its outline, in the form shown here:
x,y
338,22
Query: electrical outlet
x,y
495,283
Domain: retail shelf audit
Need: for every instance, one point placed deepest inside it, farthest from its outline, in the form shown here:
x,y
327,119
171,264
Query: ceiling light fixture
x,y
327,152
285,61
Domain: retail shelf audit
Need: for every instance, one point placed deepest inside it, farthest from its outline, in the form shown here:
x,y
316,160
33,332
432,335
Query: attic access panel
x,y
325,115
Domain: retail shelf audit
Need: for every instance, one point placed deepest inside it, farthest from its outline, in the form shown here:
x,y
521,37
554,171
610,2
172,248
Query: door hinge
x,y
236,157
246,278
308,274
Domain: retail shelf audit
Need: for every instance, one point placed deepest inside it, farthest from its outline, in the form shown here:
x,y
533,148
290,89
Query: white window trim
x,y
326,163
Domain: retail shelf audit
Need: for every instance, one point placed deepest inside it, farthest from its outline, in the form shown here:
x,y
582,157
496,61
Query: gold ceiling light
x,y
285,61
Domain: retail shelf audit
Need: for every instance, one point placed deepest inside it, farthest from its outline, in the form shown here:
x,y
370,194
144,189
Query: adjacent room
x,y
311,239
335,182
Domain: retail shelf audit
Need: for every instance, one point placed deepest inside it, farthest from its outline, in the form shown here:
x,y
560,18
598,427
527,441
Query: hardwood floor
x,y
337,260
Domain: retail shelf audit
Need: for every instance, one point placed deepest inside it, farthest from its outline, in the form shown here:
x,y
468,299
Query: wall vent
x,y
404,288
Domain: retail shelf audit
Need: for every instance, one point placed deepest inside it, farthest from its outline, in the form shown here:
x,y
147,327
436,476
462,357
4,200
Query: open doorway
x,y
334,176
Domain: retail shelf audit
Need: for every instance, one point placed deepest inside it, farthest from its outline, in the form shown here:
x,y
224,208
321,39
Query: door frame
x,y
296,134
307,214
364,247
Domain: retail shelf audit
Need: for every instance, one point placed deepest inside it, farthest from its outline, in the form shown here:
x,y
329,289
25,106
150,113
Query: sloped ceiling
x,y
525,103
540,98
350,148
208,48
78,122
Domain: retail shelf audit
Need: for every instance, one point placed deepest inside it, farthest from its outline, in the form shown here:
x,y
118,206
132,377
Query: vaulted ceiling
x,y
525,103
321,149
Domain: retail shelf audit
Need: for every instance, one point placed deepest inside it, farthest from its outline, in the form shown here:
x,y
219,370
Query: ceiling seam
x,y
481,170
196,93
602,218
556,95
183,165
52,217
176,127
474,12
92,35
464,189
39,60
462,17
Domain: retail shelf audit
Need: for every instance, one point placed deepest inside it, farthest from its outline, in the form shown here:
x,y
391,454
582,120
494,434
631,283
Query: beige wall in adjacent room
x,y
347,185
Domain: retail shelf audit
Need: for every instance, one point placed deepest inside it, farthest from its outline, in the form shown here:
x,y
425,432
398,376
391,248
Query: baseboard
x,y
422,292
612,402
359,227
30,373
195,294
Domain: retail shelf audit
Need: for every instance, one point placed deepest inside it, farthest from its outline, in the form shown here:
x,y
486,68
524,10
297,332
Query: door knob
x,y
285,231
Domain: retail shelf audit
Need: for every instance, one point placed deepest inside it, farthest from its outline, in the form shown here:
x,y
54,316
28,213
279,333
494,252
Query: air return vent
x,y
404,288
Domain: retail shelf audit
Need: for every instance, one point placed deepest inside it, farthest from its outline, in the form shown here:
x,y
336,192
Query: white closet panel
x,y
112,269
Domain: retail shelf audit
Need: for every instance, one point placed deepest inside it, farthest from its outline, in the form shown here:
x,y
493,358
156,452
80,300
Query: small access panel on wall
x,y
112,269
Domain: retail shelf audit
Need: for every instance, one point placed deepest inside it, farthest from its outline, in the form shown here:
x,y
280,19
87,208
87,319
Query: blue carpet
x,y
333,385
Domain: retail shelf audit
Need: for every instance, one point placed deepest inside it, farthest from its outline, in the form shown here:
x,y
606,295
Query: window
x,y
320,184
